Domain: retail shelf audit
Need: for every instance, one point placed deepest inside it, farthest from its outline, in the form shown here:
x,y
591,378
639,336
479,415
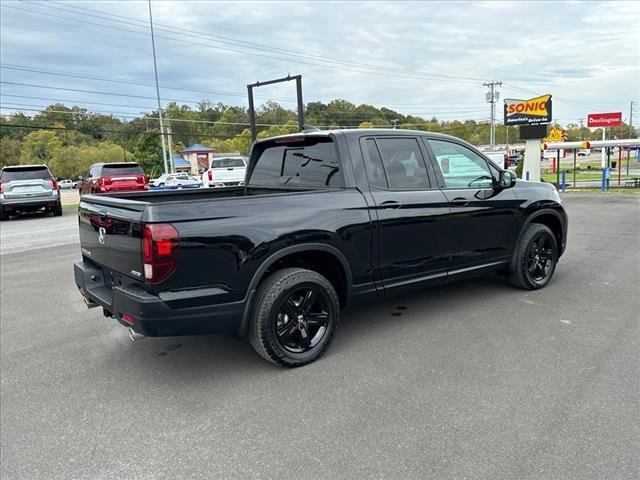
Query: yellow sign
x,y
532,111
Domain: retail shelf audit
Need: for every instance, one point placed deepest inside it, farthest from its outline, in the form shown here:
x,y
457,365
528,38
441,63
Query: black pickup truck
x,y
325,220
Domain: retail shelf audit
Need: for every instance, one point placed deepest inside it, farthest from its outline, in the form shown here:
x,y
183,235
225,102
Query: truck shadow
x,y
216,358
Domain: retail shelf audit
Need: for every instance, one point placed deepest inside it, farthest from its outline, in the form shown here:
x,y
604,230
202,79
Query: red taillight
x,y
160,245
127,318
1,182
210,174
54,184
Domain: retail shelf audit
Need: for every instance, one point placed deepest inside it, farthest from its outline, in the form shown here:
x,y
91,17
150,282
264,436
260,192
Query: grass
x,y
584,175
596,190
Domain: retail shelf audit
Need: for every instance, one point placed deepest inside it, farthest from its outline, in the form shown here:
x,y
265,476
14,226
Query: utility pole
x,y
631,135
172,166
155,68
492,98
581,127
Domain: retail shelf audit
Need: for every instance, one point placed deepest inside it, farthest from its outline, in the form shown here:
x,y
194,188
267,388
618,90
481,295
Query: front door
x,y
483,216
411,217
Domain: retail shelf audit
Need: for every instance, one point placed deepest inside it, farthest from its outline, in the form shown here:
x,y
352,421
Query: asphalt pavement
x,y
472,380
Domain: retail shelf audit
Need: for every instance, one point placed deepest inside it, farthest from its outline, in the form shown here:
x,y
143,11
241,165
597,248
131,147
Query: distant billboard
x,y
527,112
612,119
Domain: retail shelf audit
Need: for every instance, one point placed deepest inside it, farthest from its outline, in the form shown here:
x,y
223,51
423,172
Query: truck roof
x,y
359,132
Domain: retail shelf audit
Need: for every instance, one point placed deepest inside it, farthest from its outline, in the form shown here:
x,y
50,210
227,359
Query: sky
x,y
423,58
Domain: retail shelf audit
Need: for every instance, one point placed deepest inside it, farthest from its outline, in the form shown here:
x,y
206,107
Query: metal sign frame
x,y
252,112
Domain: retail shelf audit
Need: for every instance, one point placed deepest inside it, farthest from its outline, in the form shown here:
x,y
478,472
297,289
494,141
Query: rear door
x,y
122,177
412,216
29,182
483,217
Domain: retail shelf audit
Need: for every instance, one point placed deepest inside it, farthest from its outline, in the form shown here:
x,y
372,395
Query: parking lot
x,y
471,380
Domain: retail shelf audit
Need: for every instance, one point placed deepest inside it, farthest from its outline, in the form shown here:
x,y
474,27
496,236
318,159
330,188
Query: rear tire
x,y
3,215
294,318
57,210
535,259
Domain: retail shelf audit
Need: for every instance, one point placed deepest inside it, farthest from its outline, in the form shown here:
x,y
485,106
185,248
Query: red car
x,y
113,177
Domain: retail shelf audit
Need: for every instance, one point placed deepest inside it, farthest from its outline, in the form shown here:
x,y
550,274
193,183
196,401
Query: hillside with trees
x,y
69,139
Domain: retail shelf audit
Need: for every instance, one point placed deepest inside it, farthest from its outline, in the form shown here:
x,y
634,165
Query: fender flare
x,y
273,258
529,220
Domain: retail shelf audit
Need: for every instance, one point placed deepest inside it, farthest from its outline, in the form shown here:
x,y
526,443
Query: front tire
x,y
295,317
535,258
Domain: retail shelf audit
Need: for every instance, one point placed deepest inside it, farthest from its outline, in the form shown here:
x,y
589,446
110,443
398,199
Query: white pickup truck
x,y
225,172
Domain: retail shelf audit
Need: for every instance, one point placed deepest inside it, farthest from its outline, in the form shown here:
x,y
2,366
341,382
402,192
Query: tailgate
x,y
111,236
27,188
228,174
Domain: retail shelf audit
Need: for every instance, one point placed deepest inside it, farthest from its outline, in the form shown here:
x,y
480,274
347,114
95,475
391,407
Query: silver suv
x,y
26,188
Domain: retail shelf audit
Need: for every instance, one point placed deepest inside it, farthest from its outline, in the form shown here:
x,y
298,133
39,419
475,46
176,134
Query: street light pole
x,y
155,68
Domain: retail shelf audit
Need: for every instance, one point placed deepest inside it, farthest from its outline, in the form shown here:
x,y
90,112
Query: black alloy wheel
x,y
535,258
295,316
540,258
302,319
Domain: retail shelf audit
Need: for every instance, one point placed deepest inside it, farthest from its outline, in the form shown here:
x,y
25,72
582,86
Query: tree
x,y
74,160
366,125
39,147
9,152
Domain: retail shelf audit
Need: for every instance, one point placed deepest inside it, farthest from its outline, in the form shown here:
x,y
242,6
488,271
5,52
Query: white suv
x,y
225,172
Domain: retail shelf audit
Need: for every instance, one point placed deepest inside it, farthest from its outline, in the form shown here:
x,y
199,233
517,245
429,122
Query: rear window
x,y
121,169
25,173
312,162
227,162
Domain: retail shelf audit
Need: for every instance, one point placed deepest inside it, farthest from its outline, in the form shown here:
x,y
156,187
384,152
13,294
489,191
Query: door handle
x,y
390,204
460,202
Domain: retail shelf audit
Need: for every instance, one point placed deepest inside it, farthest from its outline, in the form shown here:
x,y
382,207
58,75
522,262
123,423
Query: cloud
x,y
420,55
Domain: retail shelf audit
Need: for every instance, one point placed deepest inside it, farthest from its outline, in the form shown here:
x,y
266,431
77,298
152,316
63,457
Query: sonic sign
x,y
527,112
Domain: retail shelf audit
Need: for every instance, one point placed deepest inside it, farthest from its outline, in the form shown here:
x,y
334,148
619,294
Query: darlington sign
x,y
595,120
527,112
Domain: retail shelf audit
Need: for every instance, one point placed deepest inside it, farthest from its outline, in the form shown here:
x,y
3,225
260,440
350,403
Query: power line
x,y
384,72
243,43
128,82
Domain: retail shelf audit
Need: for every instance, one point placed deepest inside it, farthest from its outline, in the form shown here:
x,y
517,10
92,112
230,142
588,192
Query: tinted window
x,y
461,167
25,173
403,163
373,164
121,169
227,162
311,162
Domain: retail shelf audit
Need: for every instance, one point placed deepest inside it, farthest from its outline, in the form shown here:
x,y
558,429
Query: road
x,y
473,380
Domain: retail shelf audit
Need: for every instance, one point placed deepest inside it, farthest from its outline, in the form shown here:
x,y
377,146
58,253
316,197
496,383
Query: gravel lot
x,y
474,380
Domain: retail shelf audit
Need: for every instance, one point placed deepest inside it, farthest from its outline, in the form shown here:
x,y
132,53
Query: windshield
x,y
309,162
227,162
25,173
121,169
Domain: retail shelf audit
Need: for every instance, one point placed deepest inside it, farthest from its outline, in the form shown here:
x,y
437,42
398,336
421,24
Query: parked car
x,y
327,219
584,152
66,184
500,158
27,188
225,172
113,177
515,158
176,180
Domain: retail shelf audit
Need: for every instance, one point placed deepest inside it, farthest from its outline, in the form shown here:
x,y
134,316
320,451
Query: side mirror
x,y
507,179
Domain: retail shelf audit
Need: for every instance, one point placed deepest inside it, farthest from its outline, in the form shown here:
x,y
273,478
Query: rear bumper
x,y
29,202
151,316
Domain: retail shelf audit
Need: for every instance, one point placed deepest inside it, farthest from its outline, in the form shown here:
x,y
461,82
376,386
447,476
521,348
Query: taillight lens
x,y
54,184
160,245
1,182
210,174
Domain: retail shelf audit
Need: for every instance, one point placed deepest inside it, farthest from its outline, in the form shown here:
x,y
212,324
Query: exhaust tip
x,y
135,336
